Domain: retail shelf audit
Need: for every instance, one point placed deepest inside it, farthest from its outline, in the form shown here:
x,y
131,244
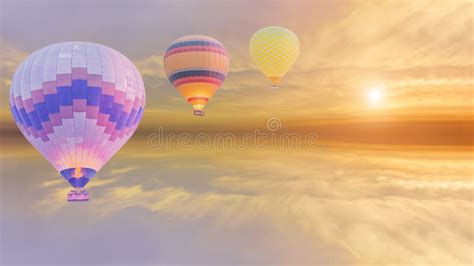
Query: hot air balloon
x,y
77,103
274,50
196,65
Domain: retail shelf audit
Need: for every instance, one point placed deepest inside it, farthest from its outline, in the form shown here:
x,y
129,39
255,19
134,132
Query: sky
x,y
389,181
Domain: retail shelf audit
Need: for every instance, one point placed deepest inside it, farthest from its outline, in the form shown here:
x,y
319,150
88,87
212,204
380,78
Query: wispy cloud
x,y
370,207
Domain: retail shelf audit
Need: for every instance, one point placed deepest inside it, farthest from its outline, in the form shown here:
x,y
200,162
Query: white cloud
x,y
369,207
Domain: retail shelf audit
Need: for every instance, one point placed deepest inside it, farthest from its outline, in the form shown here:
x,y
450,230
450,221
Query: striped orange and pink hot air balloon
x,y
196,65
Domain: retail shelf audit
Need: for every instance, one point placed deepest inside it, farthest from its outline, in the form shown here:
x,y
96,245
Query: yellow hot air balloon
x,y
196,65
274,50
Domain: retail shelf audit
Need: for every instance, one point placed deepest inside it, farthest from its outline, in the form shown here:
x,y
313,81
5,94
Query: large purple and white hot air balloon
x,y
77,103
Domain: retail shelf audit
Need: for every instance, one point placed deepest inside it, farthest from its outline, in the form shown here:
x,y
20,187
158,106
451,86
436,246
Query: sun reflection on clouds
x,y
371,207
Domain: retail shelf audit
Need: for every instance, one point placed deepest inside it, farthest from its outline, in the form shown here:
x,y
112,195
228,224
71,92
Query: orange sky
x,y
421,60
389,182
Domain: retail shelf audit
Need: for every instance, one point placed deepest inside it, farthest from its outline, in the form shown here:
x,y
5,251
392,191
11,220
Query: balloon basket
x,y
274,87
78,195
198,112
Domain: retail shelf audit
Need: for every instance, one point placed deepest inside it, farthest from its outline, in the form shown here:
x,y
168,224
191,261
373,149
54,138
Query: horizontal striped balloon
x,y
196,65
77,103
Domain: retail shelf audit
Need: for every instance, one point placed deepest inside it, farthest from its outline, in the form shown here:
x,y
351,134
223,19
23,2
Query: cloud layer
x,y
332,206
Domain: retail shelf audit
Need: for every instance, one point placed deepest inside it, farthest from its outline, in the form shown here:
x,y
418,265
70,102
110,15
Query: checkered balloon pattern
x,y
274,50
77,103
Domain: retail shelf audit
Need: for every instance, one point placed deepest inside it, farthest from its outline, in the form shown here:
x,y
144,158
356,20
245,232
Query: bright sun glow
x,y
375,94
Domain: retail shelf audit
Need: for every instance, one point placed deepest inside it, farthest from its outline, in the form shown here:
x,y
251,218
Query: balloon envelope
x,y
77,103
196,65
274,51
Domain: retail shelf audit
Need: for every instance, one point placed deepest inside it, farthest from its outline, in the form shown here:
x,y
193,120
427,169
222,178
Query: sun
x,y
375,94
